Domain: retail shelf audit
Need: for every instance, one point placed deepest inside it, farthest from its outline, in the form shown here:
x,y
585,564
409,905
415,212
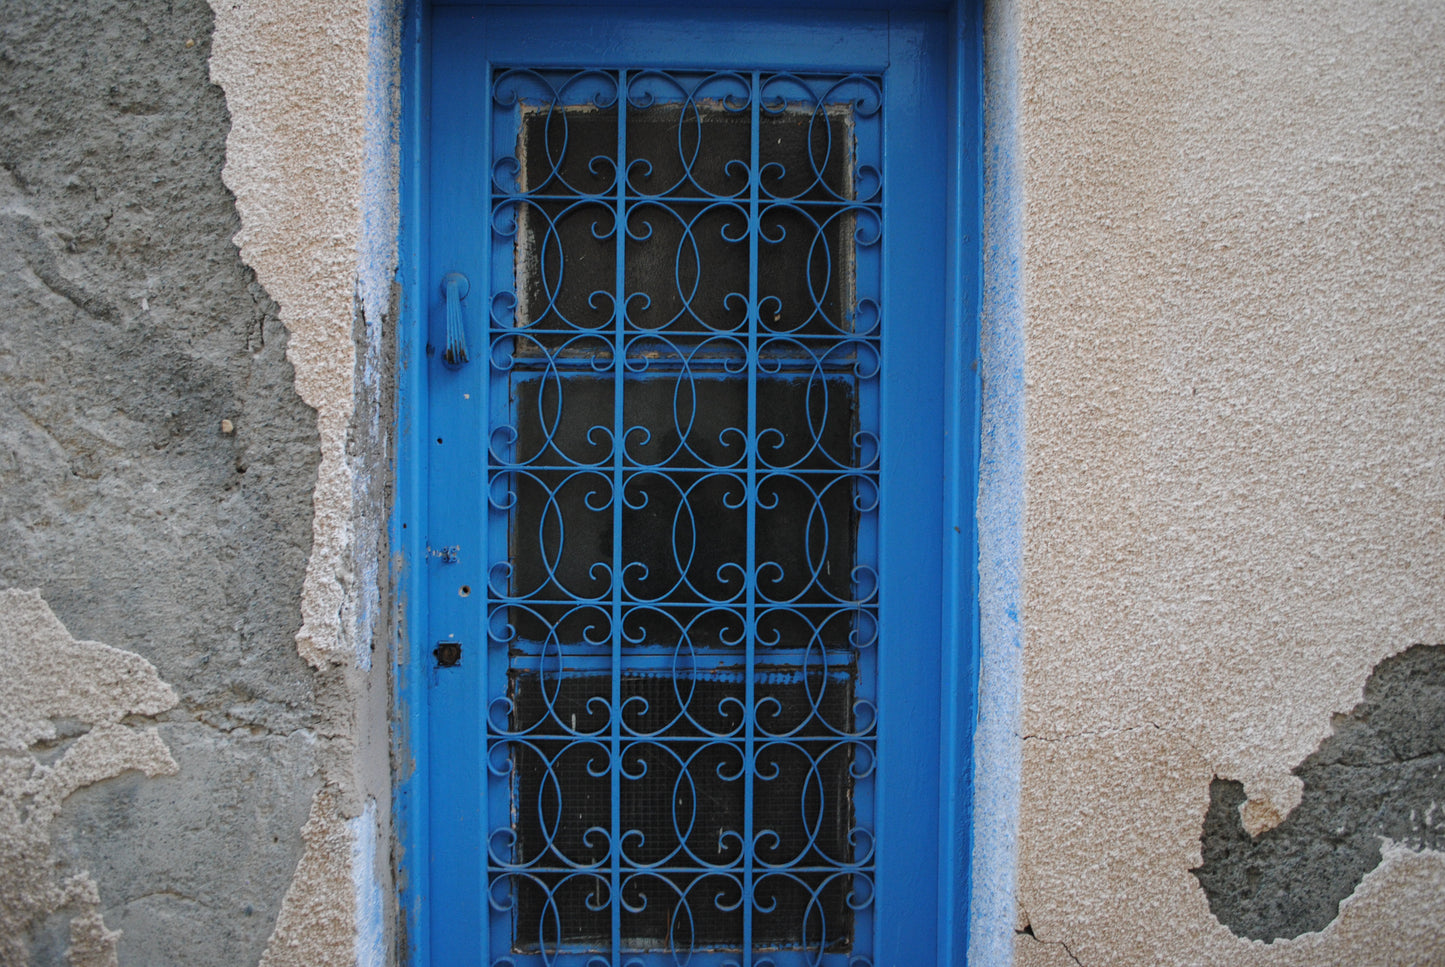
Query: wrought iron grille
x,y
682,471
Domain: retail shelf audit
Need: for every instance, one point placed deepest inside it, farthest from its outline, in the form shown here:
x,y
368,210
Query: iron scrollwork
x,y
685,340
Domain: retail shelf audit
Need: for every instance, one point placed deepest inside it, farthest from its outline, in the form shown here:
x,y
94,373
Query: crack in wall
x,y
1027,930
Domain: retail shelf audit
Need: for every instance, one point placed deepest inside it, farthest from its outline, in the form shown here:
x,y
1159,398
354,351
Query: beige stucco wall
x,y
1235,304
1233,274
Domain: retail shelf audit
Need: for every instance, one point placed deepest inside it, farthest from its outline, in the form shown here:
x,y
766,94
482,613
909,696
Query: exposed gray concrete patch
x,y
317,924
46,678
296,77
177,863
156,469
1135,786
1379,777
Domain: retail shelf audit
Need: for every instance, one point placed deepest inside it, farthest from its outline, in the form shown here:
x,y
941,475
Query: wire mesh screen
x,y
682,475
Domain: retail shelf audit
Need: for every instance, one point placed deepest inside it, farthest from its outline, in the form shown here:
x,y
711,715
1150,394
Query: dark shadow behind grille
x,y
683,532
682,802
689,256
682,791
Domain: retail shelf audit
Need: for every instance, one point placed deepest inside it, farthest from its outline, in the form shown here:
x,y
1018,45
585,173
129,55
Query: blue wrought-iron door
x,y
684,387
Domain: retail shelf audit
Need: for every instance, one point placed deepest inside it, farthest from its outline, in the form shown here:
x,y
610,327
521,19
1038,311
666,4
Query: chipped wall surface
x,y
1216,229
297,77
312,159
159,491
65,723
1235,303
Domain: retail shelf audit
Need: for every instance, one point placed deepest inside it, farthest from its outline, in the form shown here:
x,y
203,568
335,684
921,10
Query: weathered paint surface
x,y
65,723
1234,493
996,752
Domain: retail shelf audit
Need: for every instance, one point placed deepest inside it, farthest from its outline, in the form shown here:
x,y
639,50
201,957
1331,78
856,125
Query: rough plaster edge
x,y
317,923
49,674
997,748
1272,789
1386,886
1391,918
303,253
312,154
377,259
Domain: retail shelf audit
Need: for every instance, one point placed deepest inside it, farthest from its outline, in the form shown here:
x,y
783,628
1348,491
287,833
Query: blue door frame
x,y
427,800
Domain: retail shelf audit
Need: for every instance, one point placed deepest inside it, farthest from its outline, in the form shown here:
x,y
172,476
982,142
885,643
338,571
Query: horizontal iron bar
x,y
872,204
678,470
689,870
657,659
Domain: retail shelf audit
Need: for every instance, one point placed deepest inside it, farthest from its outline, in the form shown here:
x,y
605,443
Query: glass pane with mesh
x,y
685,345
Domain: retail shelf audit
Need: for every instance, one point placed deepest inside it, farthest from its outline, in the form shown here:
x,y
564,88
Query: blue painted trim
x,y
832,5
407,533
457,202
963,389
911,520
621,38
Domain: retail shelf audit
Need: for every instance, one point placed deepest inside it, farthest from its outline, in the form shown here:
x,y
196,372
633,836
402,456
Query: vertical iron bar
x,y
485,382
619,311
750,495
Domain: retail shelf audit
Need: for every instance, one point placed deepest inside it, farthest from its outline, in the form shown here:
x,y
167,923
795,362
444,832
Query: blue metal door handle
x,y
455,288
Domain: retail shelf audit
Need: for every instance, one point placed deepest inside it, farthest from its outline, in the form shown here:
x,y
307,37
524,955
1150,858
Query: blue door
x,y
683,471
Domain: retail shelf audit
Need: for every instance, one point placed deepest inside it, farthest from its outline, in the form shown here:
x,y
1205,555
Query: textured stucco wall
x,y
1233,285
156,471
193,448
1235,303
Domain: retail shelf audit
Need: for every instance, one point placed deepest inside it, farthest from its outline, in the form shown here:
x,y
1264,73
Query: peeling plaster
x,y
1234,485
1135,901
312,155
317,923
63,706
1380,776
309,177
